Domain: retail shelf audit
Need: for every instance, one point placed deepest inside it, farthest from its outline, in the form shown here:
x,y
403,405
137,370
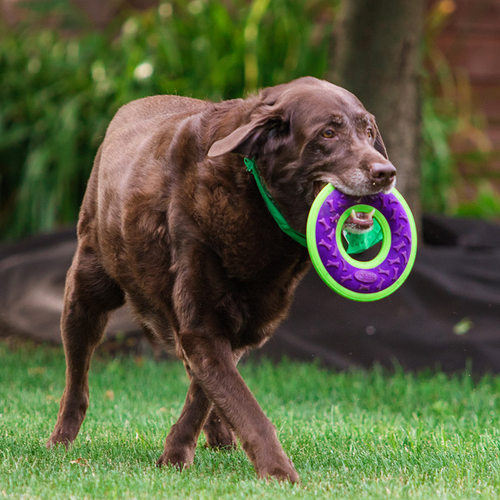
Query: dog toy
x,y
357,280
393,224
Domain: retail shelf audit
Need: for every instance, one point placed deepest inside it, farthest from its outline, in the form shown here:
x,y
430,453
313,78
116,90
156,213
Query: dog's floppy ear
x,y
235,141
267,122
379,144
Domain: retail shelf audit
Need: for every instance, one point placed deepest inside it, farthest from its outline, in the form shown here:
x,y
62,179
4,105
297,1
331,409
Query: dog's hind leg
x,y
89,296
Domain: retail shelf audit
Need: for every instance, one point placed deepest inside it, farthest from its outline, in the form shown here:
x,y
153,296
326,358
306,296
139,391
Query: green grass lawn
x,y
351,435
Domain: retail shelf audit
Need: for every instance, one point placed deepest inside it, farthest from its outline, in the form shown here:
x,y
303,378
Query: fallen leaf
x,y
80,461
463,326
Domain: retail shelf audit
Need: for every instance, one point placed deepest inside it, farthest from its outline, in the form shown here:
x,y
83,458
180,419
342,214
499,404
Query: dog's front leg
x,y
218,433
211,362
181,441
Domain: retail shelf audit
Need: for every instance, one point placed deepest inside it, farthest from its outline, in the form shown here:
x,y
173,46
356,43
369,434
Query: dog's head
x,y
307,133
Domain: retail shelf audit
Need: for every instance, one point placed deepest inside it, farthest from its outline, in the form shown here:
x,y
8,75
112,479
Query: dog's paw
x,y
58,440
282,470
178,457
62,436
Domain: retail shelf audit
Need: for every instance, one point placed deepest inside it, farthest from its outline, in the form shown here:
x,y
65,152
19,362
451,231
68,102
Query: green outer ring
x,y
325,275
386,242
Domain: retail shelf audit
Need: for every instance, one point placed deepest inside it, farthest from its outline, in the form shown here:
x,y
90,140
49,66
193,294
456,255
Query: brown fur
x,y
172,222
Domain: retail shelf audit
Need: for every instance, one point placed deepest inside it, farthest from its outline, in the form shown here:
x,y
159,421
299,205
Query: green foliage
x,y
486,204
438,163
59,92
351,435
448,115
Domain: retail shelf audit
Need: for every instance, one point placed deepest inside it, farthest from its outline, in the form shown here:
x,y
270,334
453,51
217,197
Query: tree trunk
x,y
376,57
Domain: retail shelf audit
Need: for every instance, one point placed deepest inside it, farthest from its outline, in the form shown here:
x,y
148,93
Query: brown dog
x,y
172,222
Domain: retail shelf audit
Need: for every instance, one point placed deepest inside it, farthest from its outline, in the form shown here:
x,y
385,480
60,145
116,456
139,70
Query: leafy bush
x,y
59,92
448,115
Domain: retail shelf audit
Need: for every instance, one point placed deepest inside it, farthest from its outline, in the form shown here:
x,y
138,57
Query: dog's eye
x,y
328,133
370,133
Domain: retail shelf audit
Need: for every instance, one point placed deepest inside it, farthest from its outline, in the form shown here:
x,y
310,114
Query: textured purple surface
x,y
363,280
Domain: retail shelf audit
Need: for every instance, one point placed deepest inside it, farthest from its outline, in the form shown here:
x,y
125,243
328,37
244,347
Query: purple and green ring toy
x,y
362,281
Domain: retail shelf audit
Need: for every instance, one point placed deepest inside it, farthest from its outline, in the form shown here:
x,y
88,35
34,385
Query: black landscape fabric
x,y
446,315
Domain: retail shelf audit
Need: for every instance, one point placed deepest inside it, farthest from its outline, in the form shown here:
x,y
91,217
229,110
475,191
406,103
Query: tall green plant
x,y
447,114
58,93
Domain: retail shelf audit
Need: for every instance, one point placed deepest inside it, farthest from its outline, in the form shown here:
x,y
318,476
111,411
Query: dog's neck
x,y
273,207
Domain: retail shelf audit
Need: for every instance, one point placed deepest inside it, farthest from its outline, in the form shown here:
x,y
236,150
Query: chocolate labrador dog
x,y
173,223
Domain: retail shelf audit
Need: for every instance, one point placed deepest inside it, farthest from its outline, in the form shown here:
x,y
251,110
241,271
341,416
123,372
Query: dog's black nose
x,y
382,173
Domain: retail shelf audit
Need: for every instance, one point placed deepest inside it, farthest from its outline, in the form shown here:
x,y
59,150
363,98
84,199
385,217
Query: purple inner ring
x,y
354,278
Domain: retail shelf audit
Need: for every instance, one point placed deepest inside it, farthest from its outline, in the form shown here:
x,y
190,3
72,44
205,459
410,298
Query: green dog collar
x,y
357,243
272,207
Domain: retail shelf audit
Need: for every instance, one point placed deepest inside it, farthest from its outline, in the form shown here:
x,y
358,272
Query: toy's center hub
x,y
373,244
359,222
361,232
